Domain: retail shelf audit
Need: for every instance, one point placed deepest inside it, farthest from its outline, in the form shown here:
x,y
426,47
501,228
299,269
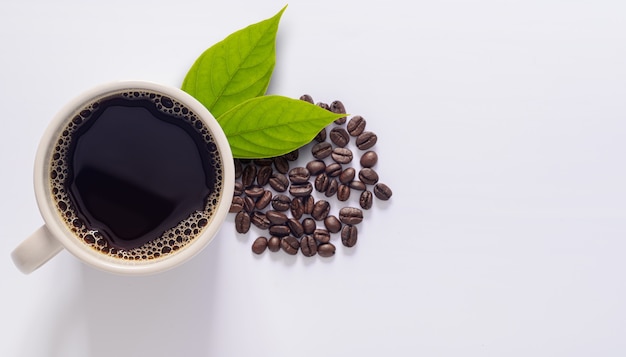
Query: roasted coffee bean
x,y
238,189
281,202
332,223
339,136
357,185
320,210
242,222
281,164
273,244
308,202
309,225
343,192
356,125
259,245
368,176
326,250
321,182
264,200
350,215
321,136
237,205
308,246
290,245
297,208
279,182
346,176
366,140
248,204
263,162
382,191
307,98
279,230
295,227
263,175
342,155
369,159
254,191
323,105
276,217
365,200
238,168
259,219
322,150
292,155
321,235
349,235
333,186
248,175
299,175
316,167
338,107
301,190
333,170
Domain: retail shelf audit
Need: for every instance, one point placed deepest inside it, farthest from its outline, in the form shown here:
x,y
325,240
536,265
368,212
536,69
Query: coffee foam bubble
x,y
171,240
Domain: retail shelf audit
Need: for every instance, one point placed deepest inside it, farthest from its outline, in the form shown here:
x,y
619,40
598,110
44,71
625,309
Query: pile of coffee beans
x,y
279,197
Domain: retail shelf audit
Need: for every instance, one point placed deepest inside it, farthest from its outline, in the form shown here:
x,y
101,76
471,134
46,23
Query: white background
x,y
501,130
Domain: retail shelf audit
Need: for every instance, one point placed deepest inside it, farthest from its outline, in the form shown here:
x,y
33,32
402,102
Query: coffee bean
x,y
295,227
320,210
264,200
279,182
263,175
369,159
299,175
281,202
248,204
237,205
343,192
316,167
333,186
339,136
297,208
281,164
292,155
338,107
307,98
263,162
290,245
238,189
368,176
342,155
276,217
308,202
254,191
259,245
333,170
321,136
326,250
321,235
357,185
332,223
323,105
321,182
273,244
350,215
259,219
322,150
382,191
308,246
349,235
309,225
365,200
238,168
346,176
301,190
366,140
242,222
279,230
248,175
356,125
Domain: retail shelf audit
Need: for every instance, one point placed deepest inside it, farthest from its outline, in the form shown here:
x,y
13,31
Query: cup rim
x,y
89,255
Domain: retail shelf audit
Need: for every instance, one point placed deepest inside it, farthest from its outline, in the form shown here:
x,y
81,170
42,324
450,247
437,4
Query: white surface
x,y
501,131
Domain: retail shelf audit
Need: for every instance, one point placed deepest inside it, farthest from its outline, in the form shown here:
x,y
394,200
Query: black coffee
x,y
136,175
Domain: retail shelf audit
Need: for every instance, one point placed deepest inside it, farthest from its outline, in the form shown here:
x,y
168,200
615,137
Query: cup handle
x,y
37,249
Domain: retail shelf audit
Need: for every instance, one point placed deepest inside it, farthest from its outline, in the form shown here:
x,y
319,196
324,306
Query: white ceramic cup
x,y
55,235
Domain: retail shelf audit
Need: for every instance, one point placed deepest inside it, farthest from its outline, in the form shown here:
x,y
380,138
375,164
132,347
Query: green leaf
x,y
236,69
273,125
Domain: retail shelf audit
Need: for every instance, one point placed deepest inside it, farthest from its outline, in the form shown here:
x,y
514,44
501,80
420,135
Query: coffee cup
x,y
131,177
